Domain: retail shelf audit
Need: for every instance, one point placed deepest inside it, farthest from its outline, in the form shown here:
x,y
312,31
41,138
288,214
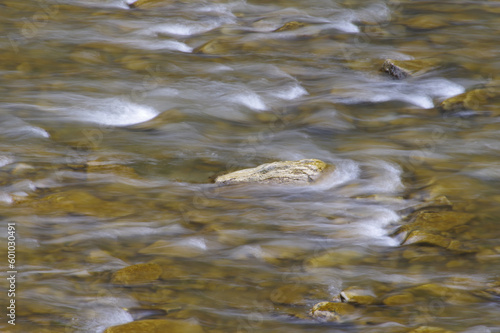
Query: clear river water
x,y
115,118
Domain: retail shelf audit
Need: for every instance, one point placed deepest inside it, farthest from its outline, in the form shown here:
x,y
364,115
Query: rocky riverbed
x,y
251,166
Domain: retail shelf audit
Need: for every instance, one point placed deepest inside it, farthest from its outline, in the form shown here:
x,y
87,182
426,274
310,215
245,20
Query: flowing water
x,y
115,121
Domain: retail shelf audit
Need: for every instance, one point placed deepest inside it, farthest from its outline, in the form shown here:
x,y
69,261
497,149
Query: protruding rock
x,y
399,299
429,329
358,295
473,99
156,326
221,45
137,274
331,311
99,167
163,119
290,26
301,172
401,69
150,3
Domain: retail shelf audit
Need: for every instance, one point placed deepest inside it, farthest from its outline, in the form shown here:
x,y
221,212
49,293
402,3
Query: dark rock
x,y
331,311
401,69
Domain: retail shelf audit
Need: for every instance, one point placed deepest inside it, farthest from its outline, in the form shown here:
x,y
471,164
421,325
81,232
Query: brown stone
x,y
156,326
290,294
78,202
436,221
150,3
426,22
421,237
331,311
137,274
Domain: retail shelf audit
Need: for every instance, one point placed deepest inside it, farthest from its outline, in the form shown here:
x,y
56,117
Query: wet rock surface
x,y
291,26
93,185
402,69
429,329
137,274
301,172
357,295
156,326
435,221
476,99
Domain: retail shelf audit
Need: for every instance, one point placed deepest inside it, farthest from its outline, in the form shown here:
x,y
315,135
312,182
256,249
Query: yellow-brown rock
x,y
399,299
150,3
331,311
473,99
290,26
78,202
156,326
167,117
426,22
429,329
436,221
290,294
358,295
221,45
422,237
137,274
96,167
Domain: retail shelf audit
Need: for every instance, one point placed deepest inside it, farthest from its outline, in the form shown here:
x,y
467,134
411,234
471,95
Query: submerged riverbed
x,y
117,117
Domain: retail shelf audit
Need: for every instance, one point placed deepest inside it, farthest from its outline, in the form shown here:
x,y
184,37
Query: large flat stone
x,y
301,172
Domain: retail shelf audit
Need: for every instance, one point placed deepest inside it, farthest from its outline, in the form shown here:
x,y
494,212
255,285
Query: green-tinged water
x,y
115,120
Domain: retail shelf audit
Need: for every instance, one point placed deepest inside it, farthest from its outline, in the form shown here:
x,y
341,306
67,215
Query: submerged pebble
x,y
401,69
332,311
137,274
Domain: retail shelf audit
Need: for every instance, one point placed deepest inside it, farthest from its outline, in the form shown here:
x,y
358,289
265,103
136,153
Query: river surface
x,y
114,121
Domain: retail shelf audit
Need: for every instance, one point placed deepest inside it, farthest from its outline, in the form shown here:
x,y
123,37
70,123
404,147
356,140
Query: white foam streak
x,y
182,29
113,111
